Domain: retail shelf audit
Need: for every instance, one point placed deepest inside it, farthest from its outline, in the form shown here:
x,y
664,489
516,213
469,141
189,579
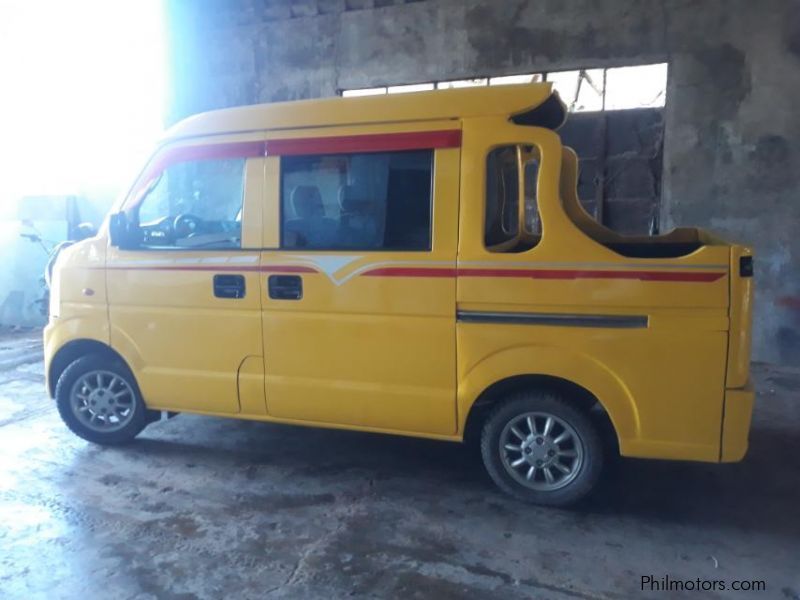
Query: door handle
x,y
229,286
285,287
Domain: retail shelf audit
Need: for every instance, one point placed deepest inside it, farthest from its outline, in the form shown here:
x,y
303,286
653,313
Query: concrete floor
x,y
212,508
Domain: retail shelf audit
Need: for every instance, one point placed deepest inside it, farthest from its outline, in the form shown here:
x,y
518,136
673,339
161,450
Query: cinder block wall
x,y
732,130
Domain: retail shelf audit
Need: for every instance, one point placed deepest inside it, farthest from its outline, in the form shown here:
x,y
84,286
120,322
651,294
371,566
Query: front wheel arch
x,y
104,387
72,351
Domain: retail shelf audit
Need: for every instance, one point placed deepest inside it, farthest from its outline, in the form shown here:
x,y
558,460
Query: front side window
x,y
512,222
195,204
364,201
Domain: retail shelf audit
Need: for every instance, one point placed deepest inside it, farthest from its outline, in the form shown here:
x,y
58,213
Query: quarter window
x,y
512,222
194,205
364,201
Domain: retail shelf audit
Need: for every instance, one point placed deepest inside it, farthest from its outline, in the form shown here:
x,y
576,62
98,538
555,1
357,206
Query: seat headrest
x,y
352,199
307,201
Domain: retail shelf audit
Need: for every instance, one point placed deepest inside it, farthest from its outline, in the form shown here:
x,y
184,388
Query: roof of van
x,y
503,100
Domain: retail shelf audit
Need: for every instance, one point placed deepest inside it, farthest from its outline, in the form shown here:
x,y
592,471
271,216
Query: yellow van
x,y
410,264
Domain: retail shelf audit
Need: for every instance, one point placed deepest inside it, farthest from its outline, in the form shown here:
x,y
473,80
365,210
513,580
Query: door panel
x,y
370,340
185,308
369,351
185,344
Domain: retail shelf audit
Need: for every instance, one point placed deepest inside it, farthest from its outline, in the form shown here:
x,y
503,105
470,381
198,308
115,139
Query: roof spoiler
x,y
550,114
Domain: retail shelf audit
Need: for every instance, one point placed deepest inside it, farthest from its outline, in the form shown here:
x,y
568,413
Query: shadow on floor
x,y
760,492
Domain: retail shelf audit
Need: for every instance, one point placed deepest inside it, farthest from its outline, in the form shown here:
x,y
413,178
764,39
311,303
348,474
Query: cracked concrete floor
x,y
212,508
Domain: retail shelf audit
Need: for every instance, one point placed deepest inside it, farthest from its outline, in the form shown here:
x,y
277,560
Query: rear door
x,y
359,292
185,307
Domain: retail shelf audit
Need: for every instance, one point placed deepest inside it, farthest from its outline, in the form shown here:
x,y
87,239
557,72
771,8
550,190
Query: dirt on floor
x,y
209,508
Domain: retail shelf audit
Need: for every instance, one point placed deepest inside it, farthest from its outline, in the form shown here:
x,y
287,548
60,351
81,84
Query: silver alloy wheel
x,y
102,401
541,451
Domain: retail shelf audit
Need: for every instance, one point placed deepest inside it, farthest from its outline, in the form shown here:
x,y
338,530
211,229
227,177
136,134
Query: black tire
x,y
64,388
584,473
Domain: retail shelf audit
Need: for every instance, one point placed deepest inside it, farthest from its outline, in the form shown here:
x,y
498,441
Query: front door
x,y
359,295
185,308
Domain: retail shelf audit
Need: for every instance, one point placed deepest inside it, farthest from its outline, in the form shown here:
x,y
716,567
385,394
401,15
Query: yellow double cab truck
x,y
414,264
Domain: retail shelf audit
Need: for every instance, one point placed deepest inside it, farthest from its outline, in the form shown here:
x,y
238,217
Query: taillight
x,y
745,266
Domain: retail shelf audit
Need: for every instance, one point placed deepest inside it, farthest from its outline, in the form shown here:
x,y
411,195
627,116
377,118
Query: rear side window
x,y
512,222
364,201
196,204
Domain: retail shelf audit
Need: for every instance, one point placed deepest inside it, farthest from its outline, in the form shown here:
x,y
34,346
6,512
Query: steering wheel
x,y
185,225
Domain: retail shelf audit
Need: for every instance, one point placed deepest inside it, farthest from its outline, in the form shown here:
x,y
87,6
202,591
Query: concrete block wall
x,y
621,163
732,132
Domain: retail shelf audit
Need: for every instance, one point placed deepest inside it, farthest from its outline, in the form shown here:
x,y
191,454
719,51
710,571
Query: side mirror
x,y
121,231
84,231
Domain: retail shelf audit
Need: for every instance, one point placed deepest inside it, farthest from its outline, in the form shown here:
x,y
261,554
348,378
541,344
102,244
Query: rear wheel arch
x,y
497,392
579,378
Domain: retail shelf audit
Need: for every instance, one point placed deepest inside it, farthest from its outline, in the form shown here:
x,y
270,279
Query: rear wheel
x,y
98,399
542,450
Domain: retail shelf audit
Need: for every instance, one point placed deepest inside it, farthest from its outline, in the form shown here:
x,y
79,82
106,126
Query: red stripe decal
x,y
366,143
584,274
559,274
449,272
411,272
178,154
172,155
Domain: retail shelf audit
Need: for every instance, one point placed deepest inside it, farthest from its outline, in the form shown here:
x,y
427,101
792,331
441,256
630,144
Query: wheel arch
x,y
72,351
578,378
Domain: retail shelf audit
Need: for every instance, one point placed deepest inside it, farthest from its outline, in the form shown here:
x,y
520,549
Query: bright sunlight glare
x,y
83,94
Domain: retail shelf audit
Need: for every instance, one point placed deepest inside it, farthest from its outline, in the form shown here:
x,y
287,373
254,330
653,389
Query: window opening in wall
x,y
516,79
414,87
462,83
364,92
583,90
636,87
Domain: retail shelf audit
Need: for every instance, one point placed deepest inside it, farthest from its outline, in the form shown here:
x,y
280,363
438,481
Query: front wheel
x,y
99,400
542,450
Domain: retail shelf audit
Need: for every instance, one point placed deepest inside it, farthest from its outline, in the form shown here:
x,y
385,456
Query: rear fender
x,y
577,368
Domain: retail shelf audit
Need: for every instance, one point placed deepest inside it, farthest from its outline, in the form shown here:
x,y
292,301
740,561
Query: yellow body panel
x,y
380,111
185,346
666,357
78,302
736,423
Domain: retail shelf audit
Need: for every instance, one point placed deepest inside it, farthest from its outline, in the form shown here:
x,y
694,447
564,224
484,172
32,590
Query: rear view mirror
x,y
121,232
